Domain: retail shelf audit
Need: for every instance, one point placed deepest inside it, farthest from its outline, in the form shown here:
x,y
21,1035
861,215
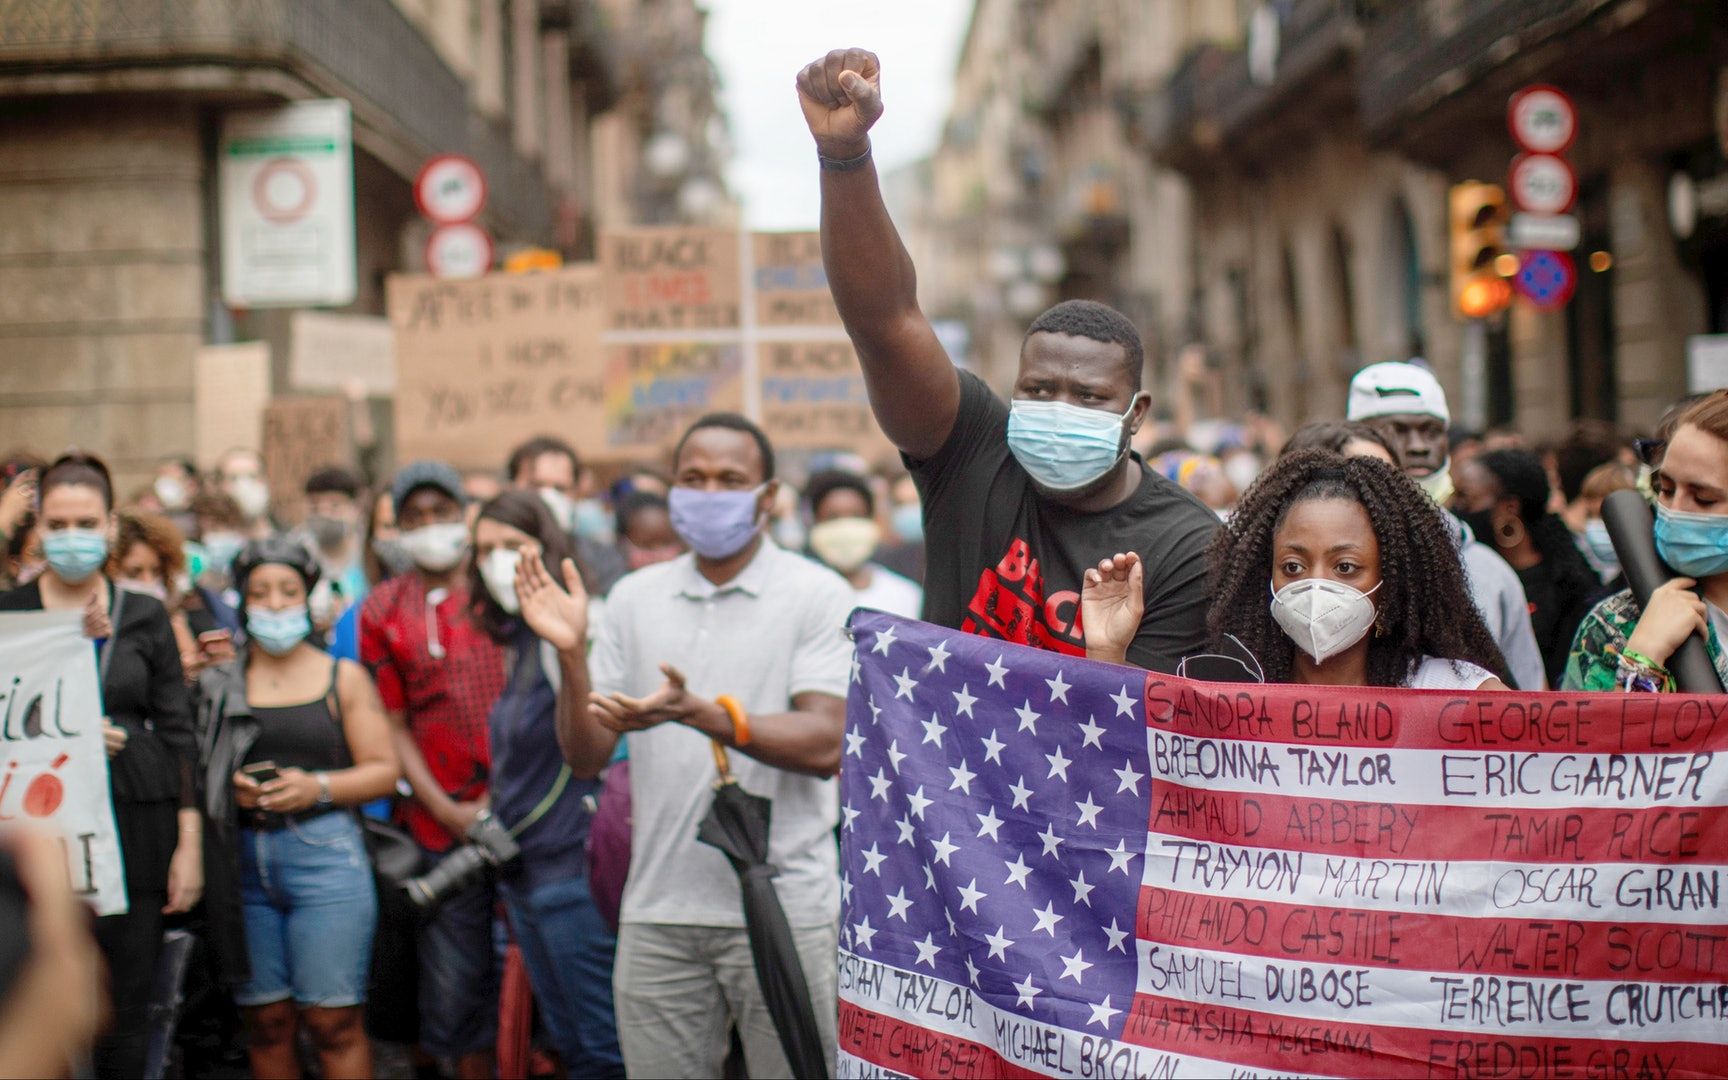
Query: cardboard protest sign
x,y
332,352
791,283
487,363
301,436
56,770
1057,867
231,387
813,396
671,281
654,391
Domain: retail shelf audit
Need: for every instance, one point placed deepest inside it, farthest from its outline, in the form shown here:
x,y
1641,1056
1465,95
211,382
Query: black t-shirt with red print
x,y
1003,562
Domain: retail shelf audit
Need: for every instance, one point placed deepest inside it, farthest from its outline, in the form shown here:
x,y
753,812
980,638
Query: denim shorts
x,y
311,909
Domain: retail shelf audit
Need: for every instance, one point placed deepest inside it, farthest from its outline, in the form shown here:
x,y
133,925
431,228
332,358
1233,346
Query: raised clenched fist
x,y
841,95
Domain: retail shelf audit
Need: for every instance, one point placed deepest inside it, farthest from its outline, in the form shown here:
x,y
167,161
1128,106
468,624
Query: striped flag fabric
x,y
1055,867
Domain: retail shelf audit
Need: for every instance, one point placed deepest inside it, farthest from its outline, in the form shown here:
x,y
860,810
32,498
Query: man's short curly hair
x,y
1424,603
1099,322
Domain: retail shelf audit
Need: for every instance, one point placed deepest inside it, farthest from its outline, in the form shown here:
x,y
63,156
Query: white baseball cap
x,y
1393,388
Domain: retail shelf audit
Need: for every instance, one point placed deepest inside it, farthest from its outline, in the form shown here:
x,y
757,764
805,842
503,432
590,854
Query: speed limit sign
x,y
1542,184
458,252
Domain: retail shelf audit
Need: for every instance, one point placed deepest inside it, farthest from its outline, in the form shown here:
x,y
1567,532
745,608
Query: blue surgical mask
x,y
75,554
278,632
1694,545
715,524
592,520
1064,447
908,522
223,546
1599,550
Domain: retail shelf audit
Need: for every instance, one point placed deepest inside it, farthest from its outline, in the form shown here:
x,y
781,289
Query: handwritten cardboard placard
x,y
654,391
331,352
301,436
813,397
671,281
791,283
484,364
56,771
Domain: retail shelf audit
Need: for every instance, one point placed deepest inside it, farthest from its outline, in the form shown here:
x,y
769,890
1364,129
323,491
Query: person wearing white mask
x,y
148,733
845,535
438,675
1018,498
1405,403
1305,583
549,465
566,945
240,474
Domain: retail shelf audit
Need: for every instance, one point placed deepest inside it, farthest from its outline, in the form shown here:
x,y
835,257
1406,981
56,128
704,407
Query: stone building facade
x,y
109,117
1268,181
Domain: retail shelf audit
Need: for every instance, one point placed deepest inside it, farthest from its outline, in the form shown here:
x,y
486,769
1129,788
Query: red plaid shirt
x,y
447,701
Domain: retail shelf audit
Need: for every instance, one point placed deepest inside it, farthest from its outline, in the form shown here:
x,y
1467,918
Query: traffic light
x,y
1480,261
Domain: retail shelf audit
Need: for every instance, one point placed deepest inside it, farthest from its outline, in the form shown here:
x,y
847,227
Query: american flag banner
x,y
1055,867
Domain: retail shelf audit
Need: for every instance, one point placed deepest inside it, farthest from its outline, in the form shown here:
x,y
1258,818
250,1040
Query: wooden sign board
x,y
482,365
301,436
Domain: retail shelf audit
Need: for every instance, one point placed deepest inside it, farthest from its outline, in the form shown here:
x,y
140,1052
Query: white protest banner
x,y
55,771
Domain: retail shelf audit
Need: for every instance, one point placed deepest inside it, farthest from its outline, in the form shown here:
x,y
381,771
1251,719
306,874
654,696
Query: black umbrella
x,y
737,824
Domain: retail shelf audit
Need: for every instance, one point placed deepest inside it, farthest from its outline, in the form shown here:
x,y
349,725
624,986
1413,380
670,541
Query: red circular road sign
x,y
1542,184
284,190
1547,279
1543,119
450,189
455,252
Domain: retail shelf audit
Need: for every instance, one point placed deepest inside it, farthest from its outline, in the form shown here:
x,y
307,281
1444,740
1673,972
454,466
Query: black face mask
x,y
1481,523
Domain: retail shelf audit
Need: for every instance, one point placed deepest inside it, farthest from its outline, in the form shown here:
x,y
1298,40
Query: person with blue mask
x,y
741,644
1024,496
1623,646
148,733
297,739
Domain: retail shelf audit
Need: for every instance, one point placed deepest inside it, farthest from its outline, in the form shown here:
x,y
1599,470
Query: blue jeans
x,y
310,908
567,950
460,964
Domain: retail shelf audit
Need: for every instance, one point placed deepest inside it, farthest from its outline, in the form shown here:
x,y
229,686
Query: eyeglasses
x,y
1650,451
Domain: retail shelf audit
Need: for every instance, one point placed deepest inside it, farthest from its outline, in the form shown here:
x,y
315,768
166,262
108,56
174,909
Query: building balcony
x,y
407,103
1435,77
1223,100
593,48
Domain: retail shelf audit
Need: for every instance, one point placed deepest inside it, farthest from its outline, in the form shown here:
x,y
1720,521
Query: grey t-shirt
x,y
775,631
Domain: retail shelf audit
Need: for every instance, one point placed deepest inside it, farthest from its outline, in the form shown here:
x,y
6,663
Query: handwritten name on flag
x,y
1054,867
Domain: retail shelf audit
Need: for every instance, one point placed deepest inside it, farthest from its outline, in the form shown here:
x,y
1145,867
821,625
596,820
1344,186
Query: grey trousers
x,y
677,989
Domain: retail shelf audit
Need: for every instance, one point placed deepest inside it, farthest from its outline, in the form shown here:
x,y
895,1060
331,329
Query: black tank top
x,y
306,736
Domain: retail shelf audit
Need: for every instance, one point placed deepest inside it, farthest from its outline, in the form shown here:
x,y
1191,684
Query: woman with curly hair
x,y
1334,571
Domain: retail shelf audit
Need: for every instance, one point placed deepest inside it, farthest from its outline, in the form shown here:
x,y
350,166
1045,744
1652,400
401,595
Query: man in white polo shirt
x,y
738,641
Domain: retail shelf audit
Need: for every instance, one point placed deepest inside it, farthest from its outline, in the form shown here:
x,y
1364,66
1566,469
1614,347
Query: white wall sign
x,y
287,205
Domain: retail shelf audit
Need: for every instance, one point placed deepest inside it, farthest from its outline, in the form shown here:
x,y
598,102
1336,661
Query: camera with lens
x,y
490,847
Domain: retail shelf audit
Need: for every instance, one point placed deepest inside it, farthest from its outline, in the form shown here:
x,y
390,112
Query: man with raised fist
x,y
1027,497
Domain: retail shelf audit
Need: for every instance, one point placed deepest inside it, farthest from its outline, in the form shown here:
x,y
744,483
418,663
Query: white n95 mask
x,y
1323,617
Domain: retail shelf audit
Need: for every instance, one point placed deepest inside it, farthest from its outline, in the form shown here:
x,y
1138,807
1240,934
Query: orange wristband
x,y
740,722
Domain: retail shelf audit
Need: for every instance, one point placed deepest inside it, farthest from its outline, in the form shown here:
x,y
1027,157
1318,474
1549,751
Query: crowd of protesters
x,y
450,710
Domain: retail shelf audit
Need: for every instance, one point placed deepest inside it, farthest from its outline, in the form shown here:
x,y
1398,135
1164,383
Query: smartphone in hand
x,y
261,772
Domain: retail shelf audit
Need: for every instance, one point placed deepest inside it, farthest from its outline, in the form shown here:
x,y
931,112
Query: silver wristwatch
x,y
323,788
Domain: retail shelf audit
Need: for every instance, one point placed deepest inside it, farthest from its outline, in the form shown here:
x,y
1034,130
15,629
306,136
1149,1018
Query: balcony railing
x,y
362,50
1418,52
1216,96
